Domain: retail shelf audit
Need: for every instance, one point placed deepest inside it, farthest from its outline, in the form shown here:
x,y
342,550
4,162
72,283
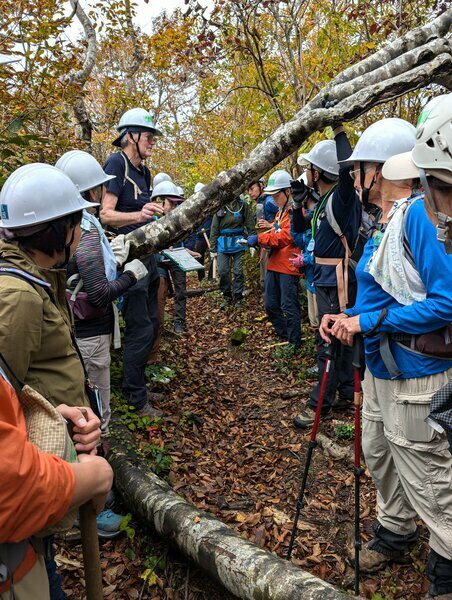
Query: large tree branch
x,y
411,70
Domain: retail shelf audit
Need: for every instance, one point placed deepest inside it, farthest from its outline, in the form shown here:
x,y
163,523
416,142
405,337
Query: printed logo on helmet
x,y
149,119
4,211
271,181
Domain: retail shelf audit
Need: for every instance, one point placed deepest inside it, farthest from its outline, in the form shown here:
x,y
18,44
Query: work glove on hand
x,y
300,192
252,240
213,254
242,242
120,249
137,269
326,103
297,261
252,251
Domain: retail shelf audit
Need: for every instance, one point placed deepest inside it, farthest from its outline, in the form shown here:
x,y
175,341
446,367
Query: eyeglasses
x,y
353,174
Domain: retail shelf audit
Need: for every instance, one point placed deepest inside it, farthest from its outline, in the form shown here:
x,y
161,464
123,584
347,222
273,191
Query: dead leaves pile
x,y
236,455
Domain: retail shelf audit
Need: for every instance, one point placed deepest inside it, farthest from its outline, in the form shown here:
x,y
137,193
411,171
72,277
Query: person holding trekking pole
x,y
404,311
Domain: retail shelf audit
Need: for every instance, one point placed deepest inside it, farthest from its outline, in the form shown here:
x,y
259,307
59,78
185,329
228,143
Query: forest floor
x,y
228,446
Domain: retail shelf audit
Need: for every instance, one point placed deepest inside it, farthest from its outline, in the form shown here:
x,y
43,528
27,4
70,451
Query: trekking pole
x,y
357,399
312,444
90,549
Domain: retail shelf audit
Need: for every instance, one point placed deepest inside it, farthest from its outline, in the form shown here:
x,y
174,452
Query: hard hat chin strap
x,y
372,209
444,227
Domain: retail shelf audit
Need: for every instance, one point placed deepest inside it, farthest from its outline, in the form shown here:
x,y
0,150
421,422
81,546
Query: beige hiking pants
x,y
96,356
313,311
34,586
409,461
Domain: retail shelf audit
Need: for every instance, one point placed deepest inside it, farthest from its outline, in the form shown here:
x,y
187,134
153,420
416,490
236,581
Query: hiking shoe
x,y
447,596
306,418
312,370
108,524
154,397
149,411
345,404
179,327
371,561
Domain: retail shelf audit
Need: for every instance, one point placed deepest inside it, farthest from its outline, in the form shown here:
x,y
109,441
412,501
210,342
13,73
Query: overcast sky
x,y
145,13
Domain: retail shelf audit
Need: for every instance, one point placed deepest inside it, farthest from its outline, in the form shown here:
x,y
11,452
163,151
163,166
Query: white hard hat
x,y
8,58
279,180
433,148
198,187
135,120
83,169
383,139
322,157
159,177
38,193
167,189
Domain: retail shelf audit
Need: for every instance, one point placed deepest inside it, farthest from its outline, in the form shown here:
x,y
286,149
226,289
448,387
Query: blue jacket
x,y
302,241
435,269
270,207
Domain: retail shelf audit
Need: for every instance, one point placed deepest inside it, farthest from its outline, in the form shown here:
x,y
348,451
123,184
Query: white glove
x,y
213,254
252,251
242,242
120,249
137,269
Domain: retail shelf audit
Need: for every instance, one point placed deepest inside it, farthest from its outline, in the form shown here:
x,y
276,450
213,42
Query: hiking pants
x,y
96,356
409,461
282,305
179,278
33,586
140,312
225,261
340,377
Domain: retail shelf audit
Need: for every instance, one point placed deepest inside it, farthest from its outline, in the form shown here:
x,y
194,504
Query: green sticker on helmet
x,y
149,119
271,181
423,117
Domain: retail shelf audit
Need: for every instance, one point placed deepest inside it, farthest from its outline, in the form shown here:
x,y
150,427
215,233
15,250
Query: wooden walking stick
x,y
90,549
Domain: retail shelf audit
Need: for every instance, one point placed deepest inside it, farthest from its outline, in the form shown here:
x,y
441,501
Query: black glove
x,y
326,103
299,192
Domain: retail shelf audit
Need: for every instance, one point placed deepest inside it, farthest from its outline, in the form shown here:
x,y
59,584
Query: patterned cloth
x,y
441,410
390,266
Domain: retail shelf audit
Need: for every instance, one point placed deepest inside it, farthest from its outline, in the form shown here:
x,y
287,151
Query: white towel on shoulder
x,y
390,266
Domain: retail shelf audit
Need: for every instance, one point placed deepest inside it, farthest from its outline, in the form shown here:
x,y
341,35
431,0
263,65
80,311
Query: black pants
x,y
141,317
340,378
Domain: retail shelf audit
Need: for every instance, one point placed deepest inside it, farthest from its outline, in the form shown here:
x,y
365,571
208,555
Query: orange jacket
x,y
36,488
282,246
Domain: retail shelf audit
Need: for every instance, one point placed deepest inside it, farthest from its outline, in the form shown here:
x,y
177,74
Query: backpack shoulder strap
x,y
7,268
331,218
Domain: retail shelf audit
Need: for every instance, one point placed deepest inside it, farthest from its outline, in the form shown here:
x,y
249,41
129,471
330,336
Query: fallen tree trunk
x,y
246,570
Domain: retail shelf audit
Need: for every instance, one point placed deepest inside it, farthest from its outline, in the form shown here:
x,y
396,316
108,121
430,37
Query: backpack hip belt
x,y
342,265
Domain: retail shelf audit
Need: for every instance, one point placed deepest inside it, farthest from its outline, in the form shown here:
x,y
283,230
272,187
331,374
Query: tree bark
x,y
246,570
420,57
79,78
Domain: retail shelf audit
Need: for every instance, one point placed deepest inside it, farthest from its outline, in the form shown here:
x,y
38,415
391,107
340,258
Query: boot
x,y
384,548
371,561
439,573
238,301
226,302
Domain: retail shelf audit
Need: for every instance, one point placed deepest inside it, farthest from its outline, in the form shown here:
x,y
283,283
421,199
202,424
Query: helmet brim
x,y
135,129
400,166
